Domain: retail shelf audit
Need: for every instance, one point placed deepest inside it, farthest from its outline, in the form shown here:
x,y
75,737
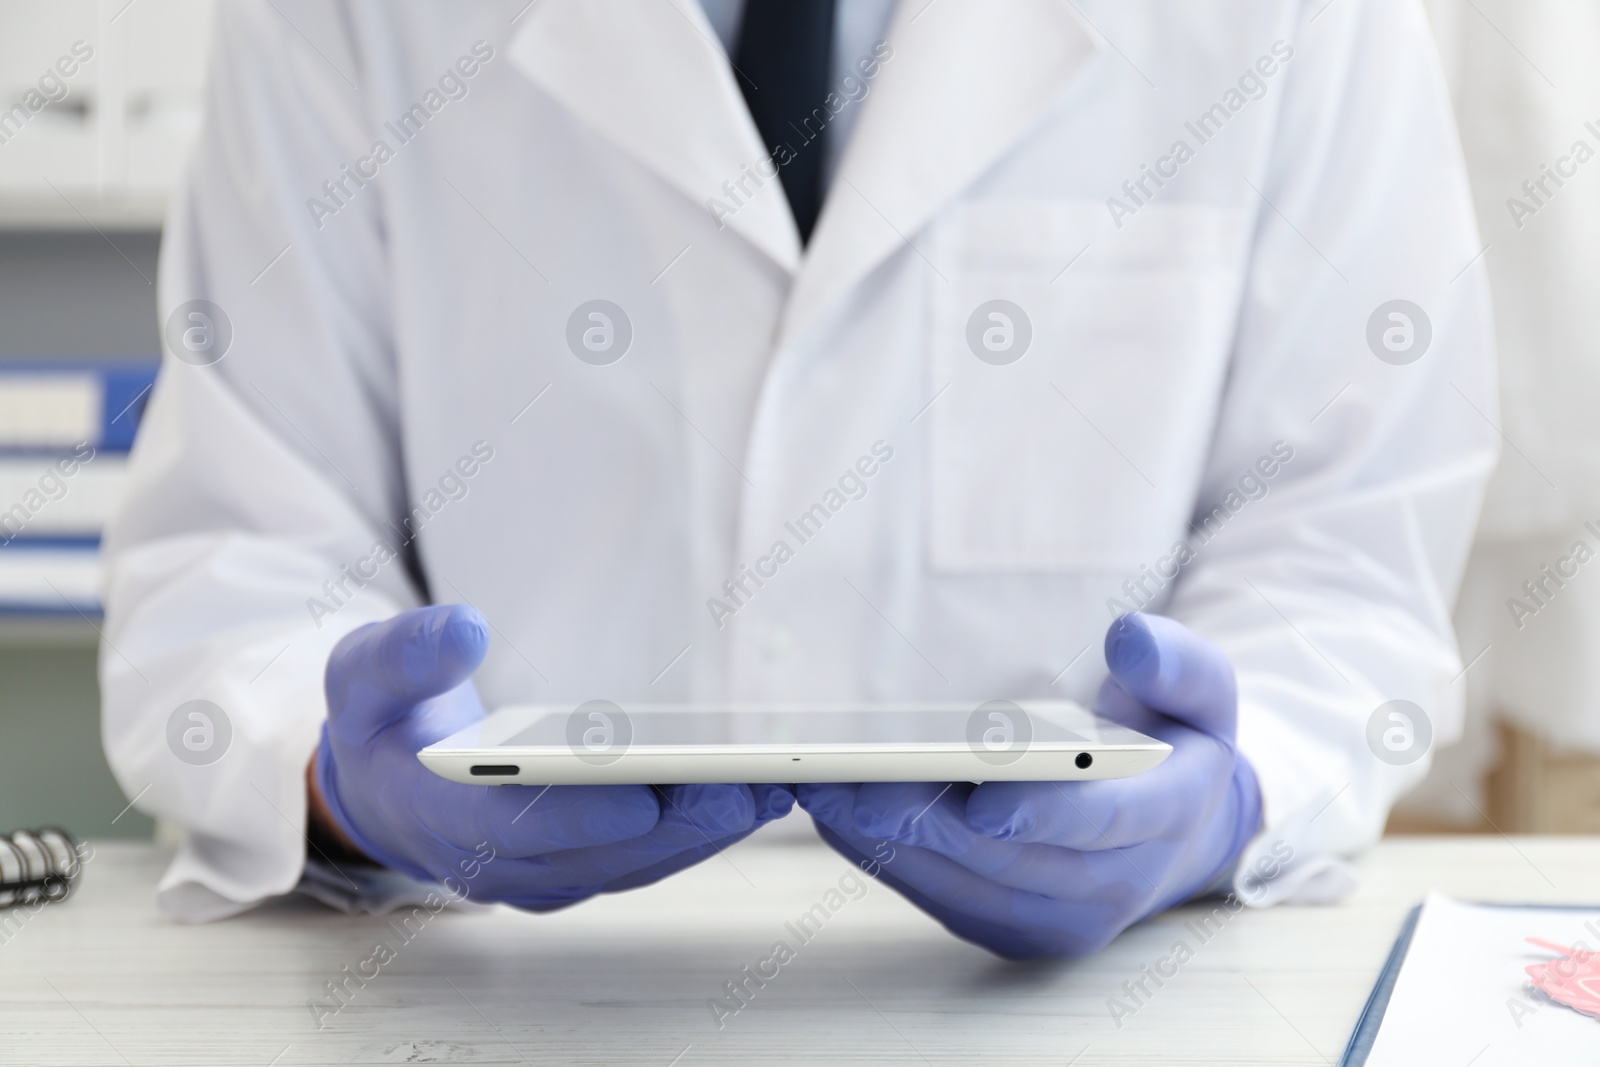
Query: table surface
x,y
104,979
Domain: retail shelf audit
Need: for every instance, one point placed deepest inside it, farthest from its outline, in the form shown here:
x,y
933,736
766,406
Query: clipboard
x,y
1370,1022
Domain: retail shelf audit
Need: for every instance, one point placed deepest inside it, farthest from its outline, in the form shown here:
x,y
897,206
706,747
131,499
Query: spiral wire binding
x,y
37,865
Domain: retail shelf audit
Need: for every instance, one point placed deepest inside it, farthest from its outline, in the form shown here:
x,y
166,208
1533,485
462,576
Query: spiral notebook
x,y
1455,990
37,866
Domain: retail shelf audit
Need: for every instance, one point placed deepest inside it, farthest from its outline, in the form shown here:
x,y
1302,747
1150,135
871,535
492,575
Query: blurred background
x,y
104,100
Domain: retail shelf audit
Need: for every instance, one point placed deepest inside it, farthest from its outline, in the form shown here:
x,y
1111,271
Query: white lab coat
x,y
984,559
1528,104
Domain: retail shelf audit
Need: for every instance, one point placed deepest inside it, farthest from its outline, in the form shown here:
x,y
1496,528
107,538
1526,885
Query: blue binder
x,y
1371,1020
124,389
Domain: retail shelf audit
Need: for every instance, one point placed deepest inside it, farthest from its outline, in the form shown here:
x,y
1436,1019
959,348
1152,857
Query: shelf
x,y
51,630
86,211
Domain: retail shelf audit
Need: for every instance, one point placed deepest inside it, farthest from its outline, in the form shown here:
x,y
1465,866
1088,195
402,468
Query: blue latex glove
x,y
398,686
1030,869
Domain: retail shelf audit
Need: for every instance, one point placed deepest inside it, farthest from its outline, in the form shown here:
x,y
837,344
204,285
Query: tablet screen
x,y
604,723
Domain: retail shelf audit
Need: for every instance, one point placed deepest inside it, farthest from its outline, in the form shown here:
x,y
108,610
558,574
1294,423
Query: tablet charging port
x,y
494,770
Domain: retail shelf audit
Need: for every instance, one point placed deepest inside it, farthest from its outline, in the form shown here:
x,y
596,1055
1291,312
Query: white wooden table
x,y
103,979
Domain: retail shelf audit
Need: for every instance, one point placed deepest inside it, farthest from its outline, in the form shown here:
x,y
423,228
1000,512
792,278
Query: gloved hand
x,y
1031,869
397,686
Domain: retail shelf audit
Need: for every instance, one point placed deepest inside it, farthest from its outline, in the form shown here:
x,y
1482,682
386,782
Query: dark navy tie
x,y
782,63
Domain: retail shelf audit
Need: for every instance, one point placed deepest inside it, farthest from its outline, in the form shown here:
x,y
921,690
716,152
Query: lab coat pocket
x,y
1077,369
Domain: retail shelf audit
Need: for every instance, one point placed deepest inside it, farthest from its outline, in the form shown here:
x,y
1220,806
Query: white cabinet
x,y
99,103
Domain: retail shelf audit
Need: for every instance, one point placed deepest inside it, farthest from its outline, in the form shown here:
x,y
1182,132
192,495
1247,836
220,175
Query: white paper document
x,y
1463,995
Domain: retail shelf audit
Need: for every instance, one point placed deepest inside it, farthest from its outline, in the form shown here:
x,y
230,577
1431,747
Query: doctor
x,y
944,351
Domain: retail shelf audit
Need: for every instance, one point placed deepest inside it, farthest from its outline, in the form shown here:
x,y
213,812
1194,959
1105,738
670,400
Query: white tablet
x,y
600,742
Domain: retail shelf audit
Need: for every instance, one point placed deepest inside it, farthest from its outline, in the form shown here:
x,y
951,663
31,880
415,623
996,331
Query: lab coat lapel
x,y
653,79
966,81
